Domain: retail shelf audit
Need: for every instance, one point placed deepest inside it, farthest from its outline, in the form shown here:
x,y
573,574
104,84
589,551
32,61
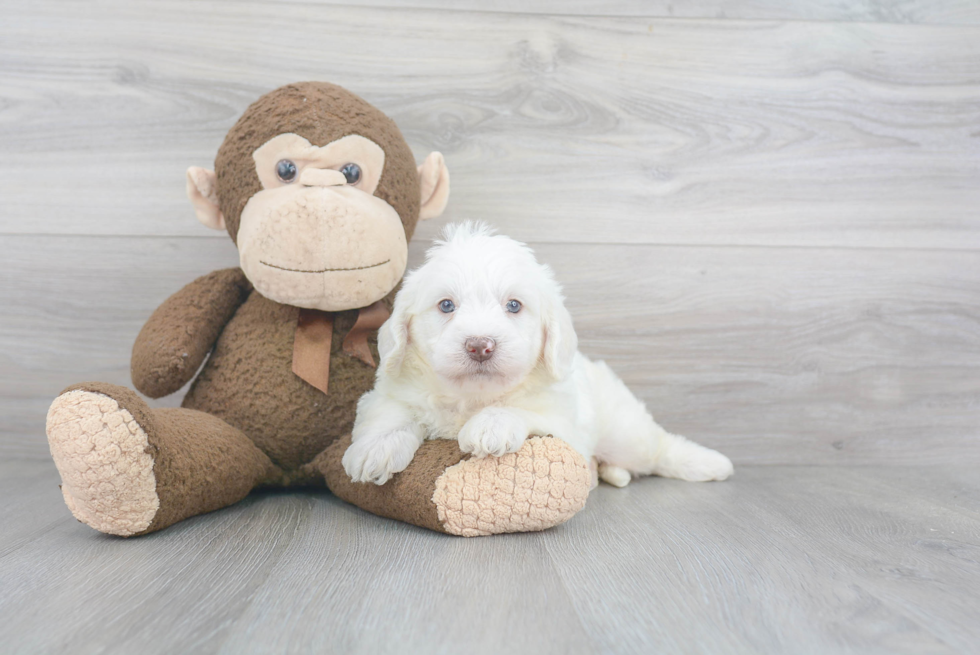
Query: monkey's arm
x,y
181,332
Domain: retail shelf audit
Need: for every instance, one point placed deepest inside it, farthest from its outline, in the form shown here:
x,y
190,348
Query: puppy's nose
x,y
480,348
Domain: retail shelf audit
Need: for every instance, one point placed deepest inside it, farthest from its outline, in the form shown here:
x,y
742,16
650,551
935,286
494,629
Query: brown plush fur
x,y
321,113
200,462
398,498
249,382
165,358
247,419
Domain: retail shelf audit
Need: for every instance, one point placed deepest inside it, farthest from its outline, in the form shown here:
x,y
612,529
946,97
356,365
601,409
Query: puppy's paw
x,y
375,458
494,431
614,475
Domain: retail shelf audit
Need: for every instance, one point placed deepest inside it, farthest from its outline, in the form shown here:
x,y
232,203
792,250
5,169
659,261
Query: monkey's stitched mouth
x,y
324,270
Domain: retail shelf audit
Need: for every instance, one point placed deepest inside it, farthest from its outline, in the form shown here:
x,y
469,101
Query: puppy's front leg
x,y
493,431
384,440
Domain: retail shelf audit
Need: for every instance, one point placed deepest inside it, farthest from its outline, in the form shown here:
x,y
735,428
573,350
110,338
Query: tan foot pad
x,y
106,471
543,484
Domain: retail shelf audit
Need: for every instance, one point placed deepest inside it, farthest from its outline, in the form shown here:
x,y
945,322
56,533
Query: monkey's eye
x,y
447,306
352,172
286,170
514,306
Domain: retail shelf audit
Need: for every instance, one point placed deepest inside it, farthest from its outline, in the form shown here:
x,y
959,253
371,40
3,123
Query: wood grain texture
x,y
562,129
950,12
839,562
766,223
774,355
776,560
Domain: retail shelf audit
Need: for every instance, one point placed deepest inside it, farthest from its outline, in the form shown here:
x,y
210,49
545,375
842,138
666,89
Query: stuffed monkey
x,y
320,193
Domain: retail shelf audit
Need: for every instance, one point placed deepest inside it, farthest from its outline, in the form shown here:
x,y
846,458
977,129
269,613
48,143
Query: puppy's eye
x,y
514,306
447,306
286,170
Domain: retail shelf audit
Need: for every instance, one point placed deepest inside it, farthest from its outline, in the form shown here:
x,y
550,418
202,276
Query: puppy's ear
x,y
560,340
393,337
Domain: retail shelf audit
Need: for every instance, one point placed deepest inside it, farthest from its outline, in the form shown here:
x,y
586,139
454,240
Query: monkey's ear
x,y
434,183
202,191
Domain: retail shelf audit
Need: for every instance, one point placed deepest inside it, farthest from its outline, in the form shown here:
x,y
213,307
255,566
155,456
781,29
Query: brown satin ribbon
x,y
368,320
314,334
311,347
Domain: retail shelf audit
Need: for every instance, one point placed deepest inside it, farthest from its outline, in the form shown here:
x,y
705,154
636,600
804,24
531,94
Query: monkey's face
x,y
316,236
321,193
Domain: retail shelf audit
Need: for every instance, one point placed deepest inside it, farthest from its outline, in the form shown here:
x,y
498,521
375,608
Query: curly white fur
x,y
535,383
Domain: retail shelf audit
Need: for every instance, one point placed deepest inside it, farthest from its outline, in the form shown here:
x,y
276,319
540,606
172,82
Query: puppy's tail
x,y
685,460
631,443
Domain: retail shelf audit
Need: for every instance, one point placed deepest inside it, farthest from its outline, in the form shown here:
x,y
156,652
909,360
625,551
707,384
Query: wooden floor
x,y
780,559
765,214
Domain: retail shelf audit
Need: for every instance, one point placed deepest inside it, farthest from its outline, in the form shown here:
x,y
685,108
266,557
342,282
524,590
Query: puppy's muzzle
x,y
480,349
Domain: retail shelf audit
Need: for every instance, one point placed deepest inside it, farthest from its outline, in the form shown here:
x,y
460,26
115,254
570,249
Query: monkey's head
x,y
321,194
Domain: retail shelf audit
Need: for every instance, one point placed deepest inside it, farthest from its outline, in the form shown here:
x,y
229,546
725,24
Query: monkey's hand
x,y
173,344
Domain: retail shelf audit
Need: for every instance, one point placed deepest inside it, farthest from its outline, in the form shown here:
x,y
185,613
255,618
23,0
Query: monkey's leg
x,y
128,470
541,485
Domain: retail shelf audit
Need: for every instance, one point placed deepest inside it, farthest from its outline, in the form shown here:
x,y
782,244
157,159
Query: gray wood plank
x,y
778,559
500,594
792,355
570,129
898,536
766,223
772,355
951,12
74,306
775,560
31,505
279,573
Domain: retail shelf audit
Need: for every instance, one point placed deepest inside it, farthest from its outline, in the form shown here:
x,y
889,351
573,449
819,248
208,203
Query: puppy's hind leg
x,y
631,442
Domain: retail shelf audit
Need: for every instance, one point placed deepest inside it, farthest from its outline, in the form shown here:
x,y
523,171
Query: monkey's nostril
x,y
321,177
480,348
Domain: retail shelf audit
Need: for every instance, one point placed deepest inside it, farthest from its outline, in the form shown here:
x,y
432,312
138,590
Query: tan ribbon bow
x,y
314,335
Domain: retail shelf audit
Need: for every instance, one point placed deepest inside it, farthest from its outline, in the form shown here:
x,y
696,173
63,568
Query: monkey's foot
x,y
540,486
103,456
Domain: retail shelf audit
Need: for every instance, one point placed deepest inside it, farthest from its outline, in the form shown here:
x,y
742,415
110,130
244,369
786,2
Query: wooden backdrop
x,y
766,214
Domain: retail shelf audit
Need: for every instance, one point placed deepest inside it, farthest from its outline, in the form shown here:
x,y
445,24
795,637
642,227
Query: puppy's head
x,y
481,313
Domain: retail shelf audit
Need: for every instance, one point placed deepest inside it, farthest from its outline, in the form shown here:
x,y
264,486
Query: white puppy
x,y
480,348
